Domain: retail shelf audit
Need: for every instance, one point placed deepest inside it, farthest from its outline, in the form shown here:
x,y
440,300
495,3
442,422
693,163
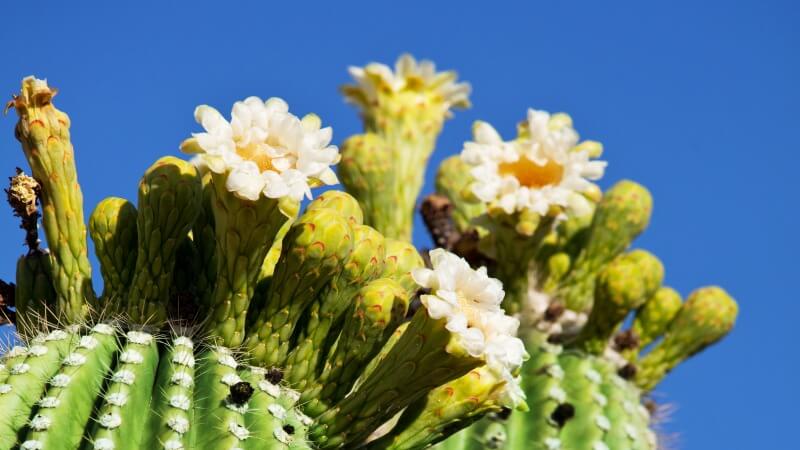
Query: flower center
x,y
532,175
256,153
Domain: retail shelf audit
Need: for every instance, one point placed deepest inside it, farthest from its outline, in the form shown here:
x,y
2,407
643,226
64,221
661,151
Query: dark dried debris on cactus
x,y
626,340
23,195
7,314
437,214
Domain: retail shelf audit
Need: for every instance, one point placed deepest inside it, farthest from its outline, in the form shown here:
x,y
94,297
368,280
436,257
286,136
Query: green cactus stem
x,y
403,115
205,242
313,249
652,319
43,131
622,286
378,309
364,264
454,182
65,410
621,215
424,357
444,411
112,227
173,417
244,231
34,296
27,373
576,401
169,201
110,391
120,415
707,316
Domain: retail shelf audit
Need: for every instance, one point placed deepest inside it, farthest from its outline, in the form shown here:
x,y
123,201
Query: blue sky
x,y
696,100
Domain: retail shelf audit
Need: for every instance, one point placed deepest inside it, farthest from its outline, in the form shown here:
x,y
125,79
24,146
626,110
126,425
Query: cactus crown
x,y
230,317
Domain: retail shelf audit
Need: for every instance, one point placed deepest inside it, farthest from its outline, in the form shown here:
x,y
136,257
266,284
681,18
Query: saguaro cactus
x,y
231,319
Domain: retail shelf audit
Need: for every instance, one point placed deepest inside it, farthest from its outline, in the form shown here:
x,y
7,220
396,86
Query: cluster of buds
x,y
232,318
305,334
529,209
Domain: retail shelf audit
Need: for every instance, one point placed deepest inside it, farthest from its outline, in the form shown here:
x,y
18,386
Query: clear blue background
x,y
697,100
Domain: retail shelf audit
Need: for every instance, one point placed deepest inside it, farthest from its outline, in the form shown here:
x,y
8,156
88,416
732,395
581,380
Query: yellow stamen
x,y
532,175
253,153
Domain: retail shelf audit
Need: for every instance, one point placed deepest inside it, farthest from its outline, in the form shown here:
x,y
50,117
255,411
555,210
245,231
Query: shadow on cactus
x,y
233,318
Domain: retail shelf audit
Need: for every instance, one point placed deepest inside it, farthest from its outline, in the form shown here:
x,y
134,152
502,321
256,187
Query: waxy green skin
x,y
34,295
44,134
424,357
313,250
607,409
707,316
113,229
87,411
381,167
445,410
622,214
453,180
245,231
377,310
365,263
622,286
653,318
169,201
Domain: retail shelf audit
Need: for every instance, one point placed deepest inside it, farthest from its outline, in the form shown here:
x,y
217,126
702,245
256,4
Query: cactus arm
x,y
169,197
220,423
112,227
581,383
401,259
377,310
541,381
171,420
44,134
363,264
26,374
622,214
653,318
121,421
244,231
34,296
444,411
272,416
313,249
76,386
707,316
418,362
622,286
453,180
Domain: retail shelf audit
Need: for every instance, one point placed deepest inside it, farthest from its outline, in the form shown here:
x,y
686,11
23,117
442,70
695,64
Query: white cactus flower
x,y
470,302
265,149
408,75
540,170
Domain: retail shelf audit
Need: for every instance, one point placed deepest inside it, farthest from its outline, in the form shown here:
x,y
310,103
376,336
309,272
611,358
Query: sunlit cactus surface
x,y
242,310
